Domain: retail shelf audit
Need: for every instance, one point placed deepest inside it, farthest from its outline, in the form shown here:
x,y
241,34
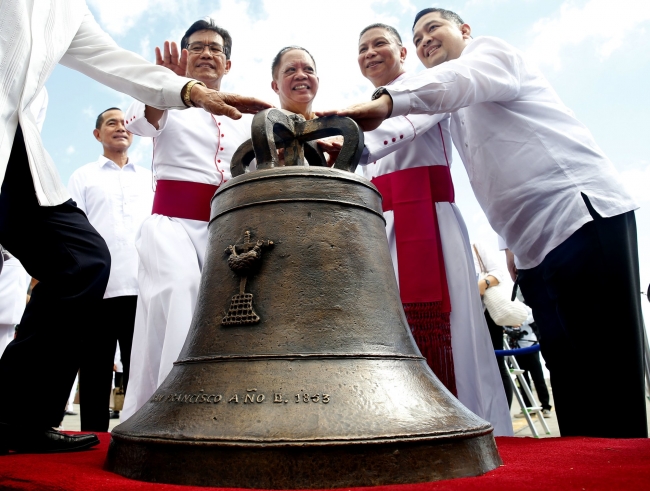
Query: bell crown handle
x,y
274,128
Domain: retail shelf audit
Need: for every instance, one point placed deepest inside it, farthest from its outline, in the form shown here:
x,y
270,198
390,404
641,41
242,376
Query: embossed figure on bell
x,y
244,263
321,385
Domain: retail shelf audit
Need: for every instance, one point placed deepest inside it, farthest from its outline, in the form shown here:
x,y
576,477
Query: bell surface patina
x,y
299,370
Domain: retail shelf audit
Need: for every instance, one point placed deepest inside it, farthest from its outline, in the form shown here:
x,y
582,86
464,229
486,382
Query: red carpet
x,y
553,463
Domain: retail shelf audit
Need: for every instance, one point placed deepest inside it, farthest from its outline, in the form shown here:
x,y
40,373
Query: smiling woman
x,y
295,80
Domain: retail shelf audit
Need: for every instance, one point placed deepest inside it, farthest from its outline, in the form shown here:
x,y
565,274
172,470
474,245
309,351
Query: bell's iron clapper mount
x,y
323,385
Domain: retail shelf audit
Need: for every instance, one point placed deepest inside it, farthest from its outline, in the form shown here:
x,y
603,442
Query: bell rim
x,y
252,443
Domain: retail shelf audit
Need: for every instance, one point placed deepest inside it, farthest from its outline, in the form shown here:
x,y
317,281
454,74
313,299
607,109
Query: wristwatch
x,y
487,283
379,92
186,91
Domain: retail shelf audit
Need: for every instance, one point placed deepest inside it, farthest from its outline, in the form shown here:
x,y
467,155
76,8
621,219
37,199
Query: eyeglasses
x,y
198,47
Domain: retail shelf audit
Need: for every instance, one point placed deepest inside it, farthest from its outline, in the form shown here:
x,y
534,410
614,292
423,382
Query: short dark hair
x,y
444,13
386,27
278,58
100,118
208,25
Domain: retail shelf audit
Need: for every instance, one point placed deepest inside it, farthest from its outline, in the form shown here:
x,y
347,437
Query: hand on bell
x,y
226,104
368,115
332,146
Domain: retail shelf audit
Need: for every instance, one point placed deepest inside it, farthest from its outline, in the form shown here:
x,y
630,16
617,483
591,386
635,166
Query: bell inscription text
x,y
250,396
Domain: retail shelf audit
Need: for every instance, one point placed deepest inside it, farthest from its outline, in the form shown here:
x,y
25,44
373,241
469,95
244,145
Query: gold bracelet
x,y
187,90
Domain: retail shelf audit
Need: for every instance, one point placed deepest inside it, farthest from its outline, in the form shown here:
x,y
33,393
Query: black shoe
x,y
114,415
70,413
47,441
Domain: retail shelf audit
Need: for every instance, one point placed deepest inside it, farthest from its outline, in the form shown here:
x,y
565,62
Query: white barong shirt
x,y
116,201
527,156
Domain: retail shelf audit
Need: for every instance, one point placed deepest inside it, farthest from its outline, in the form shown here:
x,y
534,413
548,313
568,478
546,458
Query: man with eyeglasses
x,y
192,152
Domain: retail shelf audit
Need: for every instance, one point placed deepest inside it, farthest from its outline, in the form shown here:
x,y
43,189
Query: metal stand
x,y
517,373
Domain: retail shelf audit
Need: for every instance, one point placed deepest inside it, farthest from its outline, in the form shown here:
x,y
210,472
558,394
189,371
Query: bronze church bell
x,y
299,370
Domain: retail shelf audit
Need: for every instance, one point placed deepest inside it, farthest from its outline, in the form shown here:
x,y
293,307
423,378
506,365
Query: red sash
x,y
183,199
412,194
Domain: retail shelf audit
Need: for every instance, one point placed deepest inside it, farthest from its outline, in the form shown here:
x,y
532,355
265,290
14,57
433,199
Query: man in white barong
x,y
39,223
408,158
116,195
192,152
557,201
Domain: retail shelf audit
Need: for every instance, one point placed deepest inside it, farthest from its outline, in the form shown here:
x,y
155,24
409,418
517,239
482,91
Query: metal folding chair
x,y
517,373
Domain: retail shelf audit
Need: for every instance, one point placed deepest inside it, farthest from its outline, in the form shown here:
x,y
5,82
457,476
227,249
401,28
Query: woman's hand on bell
x,y
331,144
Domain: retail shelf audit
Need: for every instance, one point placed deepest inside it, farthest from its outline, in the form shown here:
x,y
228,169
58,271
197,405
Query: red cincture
x,y
412,195
183,199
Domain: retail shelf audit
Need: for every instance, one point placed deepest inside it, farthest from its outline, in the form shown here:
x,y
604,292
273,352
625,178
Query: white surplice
x,y
194,146
413,141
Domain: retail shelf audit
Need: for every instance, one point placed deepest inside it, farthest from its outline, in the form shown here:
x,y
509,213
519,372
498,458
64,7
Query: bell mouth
x,y
264,443
302,467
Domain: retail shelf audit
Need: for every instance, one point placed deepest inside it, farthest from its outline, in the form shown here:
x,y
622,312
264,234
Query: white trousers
x,y
171,252
478,382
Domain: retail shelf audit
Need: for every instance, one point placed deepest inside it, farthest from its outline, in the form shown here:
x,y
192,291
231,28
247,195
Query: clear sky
x,y
596,54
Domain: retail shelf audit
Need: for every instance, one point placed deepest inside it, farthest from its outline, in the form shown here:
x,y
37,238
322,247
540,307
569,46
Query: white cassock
x,y
418,141
191,151
13,294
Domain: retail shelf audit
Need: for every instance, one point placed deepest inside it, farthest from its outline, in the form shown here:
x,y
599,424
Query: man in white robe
x,y
408,159
192,152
